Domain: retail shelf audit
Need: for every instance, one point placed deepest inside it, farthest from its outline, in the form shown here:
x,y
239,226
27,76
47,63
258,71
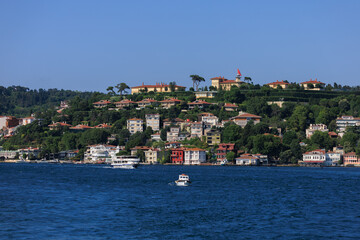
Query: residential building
x,y
79,128
213,137
243,118
170,102
176,122
177,156
30,151
125,103
58,125
199,104
194,156
153,121
100,152
196,129
146,102
210,119
332,158
278,83
158,87
316,127
151,156
205,94
103,126
172,145
314,85
134,150
156,136
26,121
8,154
351,159
225,84
101,104
223,149
346,121
173,134
229,107
248,160
135,125
8,122
315,157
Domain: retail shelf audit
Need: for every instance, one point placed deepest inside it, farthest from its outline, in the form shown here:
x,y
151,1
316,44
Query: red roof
x,y
102,102
147,100
158,85
103,125
228,81
230,105
59,124
169,100
316,151
194,149
80,126
218,78
135,119
246,115
332,133
313,82
278,83
125,101
199,102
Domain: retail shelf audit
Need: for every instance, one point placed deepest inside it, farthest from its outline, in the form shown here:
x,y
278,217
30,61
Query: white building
x,y
346,121
316,127
194,156
135,125
156,137
332,158
151,156
210,120
99,152
173,134
153,121
196,129
317,157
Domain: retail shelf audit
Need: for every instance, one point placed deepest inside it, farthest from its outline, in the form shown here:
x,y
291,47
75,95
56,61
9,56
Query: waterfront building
x,y
243,118
199,104
100,152
248,159
316,127
146,102
134,150
177,156
101,104
135,125
152,155
8,154
346,121
205,94
332,158
223,149
351,159
314,85
278,83
30,151
158,87
225,84
125,103
315,157
194,156
170,102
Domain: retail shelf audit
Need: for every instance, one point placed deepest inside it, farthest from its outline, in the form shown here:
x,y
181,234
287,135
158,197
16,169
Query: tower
x,y
238,76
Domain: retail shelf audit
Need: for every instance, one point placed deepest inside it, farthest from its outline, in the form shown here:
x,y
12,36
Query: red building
x,y
177,155
223,149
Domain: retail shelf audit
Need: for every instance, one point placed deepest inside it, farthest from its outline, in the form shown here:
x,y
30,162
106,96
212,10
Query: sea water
x,y
45,201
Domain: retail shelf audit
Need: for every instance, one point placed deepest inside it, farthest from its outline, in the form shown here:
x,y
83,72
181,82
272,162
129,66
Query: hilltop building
x,y
278,83
316,127
314,85
158,87
225,84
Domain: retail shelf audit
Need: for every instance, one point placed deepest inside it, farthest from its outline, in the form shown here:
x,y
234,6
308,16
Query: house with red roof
x,y
278,83
315,157
243,118
58,125
146,102
225,84
158,87
351,159
103,126
124,103
168,103
223,149
230,107
101,104
314,85
135,125
80,128
199,103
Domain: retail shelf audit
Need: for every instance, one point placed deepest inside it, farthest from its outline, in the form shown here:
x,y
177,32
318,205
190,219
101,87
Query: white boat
x,y
183,180
127,162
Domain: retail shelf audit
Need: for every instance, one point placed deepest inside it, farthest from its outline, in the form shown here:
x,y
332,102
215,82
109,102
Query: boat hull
x,y
182,183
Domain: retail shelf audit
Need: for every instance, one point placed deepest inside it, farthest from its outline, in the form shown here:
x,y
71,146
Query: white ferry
x,y
183,180
127,162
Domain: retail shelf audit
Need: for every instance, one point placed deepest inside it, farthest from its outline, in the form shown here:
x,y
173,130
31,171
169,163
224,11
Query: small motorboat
x,y
183,180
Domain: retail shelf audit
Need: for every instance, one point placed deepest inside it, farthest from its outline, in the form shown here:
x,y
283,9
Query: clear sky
x,y
90,45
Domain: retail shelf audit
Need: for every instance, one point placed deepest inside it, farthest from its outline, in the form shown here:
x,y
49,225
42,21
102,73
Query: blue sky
x,y
90,45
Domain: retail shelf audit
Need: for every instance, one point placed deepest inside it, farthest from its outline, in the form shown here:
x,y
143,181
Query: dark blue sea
x,y
45,201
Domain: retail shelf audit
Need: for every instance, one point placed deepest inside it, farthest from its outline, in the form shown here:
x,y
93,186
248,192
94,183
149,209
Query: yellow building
x,y
314,85
281,83
158,87
225,84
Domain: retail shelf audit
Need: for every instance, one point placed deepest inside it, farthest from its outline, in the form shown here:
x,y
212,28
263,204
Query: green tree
x,y
121,87
196,81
